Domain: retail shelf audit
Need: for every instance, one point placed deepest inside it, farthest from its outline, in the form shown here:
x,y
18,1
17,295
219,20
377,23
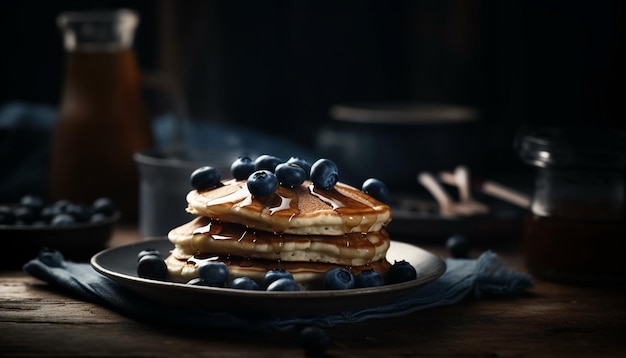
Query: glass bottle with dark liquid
x,y
575,231
102,119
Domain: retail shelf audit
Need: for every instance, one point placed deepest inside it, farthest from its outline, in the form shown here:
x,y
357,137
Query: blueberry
x,y
97,218
146,252
338,279
152,267
25,215
61,205
33,202
205,178
275,274
376,189
262,183
78,211
267,162
197,282
401,271
284,284
49,212
103,205
290,175
242,168
369,278
7,216
314,340
62,220
458,246
324,173
215,273
244,283
303,163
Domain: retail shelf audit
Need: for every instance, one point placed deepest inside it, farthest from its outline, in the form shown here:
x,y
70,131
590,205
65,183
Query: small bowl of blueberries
x,y
78,230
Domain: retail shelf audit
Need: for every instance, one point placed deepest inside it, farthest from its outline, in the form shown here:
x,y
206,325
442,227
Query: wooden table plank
x,y
552,320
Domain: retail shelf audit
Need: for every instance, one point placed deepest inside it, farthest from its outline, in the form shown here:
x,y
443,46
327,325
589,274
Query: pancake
x,y
309,275
206,236
303,210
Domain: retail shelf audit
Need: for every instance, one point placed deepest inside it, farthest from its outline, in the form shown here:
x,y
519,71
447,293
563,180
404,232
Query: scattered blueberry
x,y
284,284
369,278
275,274
262,183
244,283
242,168
339,279
205,178
104,205
458,246
62,220
290,175
303,163
314,340
215,273
376,189
267,162
324,174
401,271
152,267
146,252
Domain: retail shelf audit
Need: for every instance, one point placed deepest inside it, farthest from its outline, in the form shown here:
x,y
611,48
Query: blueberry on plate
x,y
242,167
215,273
262,183
339,279
376,189
290,175
152,267
324,174
25,215
275,274
145,252
284,284
458,246
244,283
267,162
205,178
369,278
197,282
35,203
314,340
303,163
401,271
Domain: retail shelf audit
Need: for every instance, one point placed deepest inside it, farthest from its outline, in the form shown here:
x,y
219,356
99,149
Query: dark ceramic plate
x,y
119,264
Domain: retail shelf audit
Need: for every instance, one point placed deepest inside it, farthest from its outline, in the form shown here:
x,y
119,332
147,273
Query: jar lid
x,y
572,147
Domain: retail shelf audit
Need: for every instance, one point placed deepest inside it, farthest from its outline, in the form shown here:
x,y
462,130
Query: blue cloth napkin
x,y
464,278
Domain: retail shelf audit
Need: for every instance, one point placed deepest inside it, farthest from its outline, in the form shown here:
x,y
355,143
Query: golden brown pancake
x,y
304,210
206,236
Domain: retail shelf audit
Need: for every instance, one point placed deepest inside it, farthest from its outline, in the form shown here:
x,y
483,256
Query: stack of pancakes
x,y
304,230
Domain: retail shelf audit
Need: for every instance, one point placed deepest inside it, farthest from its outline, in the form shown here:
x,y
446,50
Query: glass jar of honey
x,y
575,231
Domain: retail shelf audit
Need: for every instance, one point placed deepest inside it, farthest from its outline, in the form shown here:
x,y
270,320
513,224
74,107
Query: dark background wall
x,y
279,65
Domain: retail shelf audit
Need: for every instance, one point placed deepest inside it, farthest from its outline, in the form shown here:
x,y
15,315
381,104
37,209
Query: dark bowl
x,y
77,242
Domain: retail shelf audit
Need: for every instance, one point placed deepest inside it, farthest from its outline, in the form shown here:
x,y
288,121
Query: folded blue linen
x,y
464,278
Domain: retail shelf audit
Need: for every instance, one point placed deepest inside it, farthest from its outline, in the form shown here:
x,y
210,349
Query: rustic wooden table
x,y
552,320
